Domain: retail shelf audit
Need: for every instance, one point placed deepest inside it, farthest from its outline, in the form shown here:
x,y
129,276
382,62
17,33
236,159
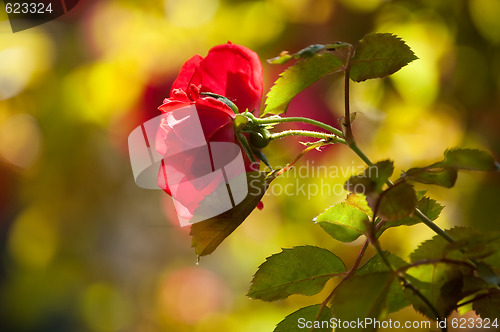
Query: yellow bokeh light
x,y
33,240
412,133
430,39
190,13
104,309
102,91
23,58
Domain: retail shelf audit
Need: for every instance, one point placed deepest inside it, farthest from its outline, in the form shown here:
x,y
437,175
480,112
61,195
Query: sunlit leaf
x,y
397,202
208,234
361,297
396,299
283,58
378,55
359,202
343,222
300,270
298,77
297,321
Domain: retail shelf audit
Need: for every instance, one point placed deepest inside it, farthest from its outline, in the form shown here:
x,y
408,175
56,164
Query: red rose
x,y
194,126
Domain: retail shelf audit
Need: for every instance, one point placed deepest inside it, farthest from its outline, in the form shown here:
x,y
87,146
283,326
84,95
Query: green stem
x,y
306,133
354,147
347,130
423,218
382,255
272,120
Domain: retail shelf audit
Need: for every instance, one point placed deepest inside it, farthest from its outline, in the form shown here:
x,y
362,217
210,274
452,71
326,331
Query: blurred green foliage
x,y
84,249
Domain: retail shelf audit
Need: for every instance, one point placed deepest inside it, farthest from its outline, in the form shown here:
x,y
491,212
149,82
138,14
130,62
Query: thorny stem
x,y
307,133
277,119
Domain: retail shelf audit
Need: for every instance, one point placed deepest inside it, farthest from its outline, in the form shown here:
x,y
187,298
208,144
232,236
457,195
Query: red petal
x,y
260,205
186,73
233,71
213,115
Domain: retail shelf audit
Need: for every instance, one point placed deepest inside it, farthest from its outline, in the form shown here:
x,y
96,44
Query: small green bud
x,y
260,138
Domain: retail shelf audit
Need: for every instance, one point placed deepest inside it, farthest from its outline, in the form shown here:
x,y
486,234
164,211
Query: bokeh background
x,y
84,249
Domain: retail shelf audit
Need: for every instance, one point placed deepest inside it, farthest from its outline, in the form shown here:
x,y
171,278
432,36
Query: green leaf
x,y
359,202
343,222
396,299
426,205
373,178
300,270
300,320
469,159
380,173
397,202
488,305
208,234
437,247
479,246
378,55
469,243
441,176
362,296
441,283
283,58
443,274
298,77
445,172
361,184
376,264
